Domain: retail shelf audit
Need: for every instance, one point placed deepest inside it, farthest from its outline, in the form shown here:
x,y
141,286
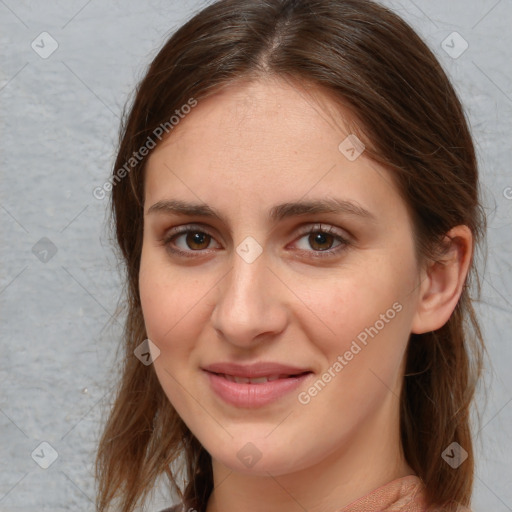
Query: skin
x,y
242,151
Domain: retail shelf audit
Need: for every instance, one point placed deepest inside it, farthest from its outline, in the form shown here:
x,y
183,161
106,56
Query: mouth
x,y
254,392
257,380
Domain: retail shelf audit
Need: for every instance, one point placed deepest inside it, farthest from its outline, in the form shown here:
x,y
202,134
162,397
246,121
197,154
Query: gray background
x,y
59,122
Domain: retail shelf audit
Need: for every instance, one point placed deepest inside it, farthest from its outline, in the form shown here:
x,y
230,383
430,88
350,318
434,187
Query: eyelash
x,y
317,228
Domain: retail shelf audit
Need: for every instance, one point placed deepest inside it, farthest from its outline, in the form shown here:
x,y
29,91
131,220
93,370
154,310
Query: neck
x,y
373,457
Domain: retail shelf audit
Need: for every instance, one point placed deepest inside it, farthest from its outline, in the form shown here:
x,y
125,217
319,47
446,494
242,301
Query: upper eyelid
x,y
185,228
177,231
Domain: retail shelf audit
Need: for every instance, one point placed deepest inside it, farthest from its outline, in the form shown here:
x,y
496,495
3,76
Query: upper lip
x,y
255,370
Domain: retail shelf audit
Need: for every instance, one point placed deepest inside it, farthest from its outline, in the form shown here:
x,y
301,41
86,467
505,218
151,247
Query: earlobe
x,y
443,282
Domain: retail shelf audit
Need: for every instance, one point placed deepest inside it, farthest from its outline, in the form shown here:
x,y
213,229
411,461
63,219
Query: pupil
x,y
319,239
198,238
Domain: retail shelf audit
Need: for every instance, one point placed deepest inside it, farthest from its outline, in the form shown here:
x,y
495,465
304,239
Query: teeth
x,y
259,380
241,379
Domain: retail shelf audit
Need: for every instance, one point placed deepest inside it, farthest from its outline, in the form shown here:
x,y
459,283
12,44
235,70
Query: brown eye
x,y
321,241
188,241
197,240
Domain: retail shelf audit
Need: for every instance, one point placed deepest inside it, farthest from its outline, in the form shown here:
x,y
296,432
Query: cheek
x,y
167,299
346,306
170,306
368,313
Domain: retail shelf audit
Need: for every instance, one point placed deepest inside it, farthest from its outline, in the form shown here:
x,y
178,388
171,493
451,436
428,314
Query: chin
x,y
259,458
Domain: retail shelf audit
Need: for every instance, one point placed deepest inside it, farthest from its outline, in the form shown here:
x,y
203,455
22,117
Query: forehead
x,y
262,117
261,143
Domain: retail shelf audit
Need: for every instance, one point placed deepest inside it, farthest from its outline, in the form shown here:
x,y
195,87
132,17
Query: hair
x,y
362,56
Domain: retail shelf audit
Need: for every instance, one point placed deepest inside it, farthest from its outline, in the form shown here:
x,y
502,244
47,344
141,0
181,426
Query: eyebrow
x,y
276,213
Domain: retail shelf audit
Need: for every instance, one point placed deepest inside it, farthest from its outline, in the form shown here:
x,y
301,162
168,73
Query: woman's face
x,y
254,281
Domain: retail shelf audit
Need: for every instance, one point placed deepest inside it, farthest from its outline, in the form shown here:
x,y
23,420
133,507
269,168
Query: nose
x,y
251,303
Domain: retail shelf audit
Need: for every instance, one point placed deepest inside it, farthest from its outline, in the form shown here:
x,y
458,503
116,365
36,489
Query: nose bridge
x,y
246,306
248,272
242,292
246,277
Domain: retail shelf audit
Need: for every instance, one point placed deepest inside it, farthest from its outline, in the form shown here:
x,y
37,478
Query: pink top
x,y
406,494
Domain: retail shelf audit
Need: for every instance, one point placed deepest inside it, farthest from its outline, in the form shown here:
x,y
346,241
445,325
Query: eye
x,y
190,239
321,239
193,239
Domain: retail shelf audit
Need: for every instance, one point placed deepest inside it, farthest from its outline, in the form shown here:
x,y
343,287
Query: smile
x,y
253,392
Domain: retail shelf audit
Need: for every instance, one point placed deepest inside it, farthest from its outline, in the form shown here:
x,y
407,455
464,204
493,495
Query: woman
x,y
296,201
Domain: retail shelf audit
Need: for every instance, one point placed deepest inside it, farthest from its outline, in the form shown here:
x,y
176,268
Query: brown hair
x,y
411,121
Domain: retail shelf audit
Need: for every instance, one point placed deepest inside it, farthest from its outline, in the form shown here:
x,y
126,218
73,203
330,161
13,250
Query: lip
x,y
253,395
255,370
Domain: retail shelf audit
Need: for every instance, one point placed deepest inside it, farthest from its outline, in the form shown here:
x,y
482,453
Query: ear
x,y
443,281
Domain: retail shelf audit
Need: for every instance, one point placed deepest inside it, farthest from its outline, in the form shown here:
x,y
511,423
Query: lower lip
x,y
253,395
